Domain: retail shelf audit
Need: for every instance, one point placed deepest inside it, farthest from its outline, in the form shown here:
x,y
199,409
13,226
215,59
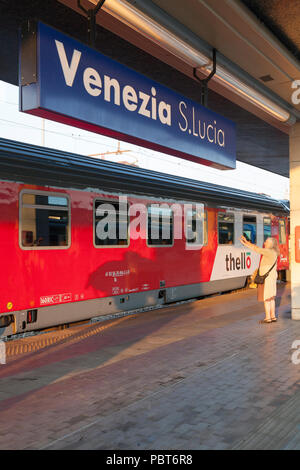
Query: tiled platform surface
x,y
202,375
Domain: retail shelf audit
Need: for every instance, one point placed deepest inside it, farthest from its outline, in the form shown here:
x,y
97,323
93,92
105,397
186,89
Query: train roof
x,y
45,166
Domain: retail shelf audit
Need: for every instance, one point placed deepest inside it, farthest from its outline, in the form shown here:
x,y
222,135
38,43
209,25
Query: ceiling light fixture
x,y
149,28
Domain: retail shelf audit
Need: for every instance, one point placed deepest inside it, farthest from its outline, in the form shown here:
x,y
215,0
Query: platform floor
x,y
201,375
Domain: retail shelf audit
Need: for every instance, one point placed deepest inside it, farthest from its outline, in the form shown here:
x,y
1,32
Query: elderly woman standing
x,y
267,292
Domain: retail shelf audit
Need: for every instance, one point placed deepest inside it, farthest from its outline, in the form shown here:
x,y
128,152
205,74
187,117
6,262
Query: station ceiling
x,y
282,18
258,142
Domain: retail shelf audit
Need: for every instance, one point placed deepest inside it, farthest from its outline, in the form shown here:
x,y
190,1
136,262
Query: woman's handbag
x,y
261,279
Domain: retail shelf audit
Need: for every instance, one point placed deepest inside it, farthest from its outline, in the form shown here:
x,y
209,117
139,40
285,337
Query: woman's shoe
x,y
274,319
265,321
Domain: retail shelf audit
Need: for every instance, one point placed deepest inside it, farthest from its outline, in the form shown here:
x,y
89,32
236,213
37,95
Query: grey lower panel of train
x,y
87,309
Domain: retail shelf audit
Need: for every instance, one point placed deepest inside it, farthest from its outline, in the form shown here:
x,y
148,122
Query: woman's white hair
x,y
275,245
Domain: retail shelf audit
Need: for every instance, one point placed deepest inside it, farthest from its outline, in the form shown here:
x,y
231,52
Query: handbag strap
x,y
268,272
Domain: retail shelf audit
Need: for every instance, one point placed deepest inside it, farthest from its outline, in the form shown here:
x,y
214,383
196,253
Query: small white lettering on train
x,y
55,299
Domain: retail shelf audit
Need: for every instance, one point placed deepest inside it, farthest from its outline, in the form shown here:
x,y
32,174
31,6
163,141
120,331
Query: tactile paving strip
x,y
42,341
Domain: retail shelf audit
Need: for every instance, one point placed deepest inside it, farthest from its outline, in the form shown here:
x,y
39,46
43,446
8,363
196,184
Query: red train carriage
x,y
55,269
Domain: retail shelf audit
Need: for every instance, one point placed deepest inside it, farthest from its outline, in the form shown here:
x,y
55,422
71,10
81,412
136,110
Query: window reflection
x,y
226,228
44,220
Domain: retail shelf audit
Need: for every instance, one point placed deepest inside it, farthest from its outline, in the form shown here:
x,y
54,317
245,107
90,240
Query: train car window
x,y
44,200
111,224
267,228
160,226
45,220
226,228
196,227
282,232
249,228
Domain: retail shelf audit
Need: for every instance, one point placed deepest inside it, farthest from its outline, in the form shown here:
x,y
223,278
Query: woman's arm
x,y
261,251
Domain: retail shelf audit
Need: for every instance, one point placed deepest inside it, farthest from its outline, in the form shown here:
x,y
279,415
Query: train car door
x,y
283,244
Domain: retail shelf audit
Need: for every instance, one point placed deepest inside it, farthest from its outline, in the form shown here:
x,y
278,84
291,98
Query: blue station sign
x,y
66,81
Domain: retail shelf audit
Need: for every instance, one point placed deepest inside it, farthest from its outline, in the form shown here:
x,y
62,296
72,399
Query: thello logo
x,y
237,263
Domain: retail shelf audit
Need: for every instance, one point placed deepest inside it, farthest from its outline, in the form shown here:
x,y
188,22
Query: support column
x,y
295,216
